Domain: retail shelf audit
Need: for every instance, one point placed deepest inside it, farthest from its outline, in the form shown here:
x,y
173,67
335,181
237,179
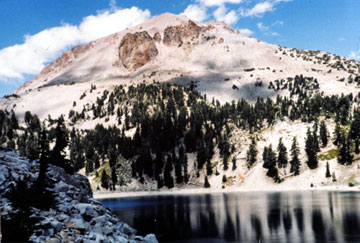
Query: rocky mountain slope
x,y
220,61
76,216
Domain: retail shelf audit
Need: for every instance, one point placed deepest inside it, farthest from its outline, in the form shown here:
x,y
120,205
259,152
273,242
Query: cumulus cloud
x,y
195,12
39,49
355,55
266,29
278,23
214,3
221,14
246,32
261,8
198,11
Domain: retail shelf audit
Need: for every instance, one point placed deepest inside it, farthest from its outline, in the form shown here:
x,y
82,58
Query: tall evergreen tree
x,y
323,134
104,180
184,160
178,169
355,129
311,150
327,174
57,156
206,184
44,157
114,178
269,158
295,162
251,153
209,170
336,134
234,163
159,164
282,155
344,152
316,141
168,179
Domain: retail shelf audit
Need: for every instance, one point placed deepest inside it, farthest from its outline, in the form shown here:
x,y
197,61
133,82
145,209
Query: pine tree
x,y
32,148
168,179
178,170
226,161
333,177
184,163
269,158
265,156
336,134
295,162
13,120
104,180
344,153
234,163
57,156
251,153
327,174
114,178
206,184
323,134
282,155
209,170
159,164
355,129
310,149
316,141
44,157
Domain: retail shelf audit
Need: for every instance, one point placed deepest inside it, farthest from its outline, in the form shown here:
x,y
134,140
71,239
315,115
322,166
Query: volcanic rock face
x,y
66,58
175,35
137,49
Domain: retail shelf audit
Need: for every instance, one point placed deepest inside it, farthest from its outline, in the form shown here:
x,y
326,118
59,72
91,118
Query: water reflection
x,y
245,217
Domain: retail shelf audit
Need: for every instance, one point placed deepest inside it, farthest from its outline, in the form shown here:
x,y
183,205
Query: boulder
x,y
150,238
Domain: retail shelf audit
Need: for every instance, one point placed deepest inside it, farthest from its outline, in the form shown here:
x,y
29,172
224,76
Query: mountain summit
x,y
219,60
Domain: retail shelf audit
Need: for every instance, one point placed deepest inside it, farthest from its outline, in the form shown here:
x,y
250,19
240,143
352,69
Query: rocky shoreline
x,y
75,216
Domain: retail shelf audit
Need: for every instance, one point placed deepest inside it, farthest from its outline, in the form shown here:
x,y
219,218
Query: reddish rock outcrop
x,y
157,37
175,35
137,49
66,58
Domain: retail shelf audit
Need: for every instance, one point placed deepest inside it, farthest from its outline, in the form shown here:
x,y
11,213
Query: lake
x,y
303,216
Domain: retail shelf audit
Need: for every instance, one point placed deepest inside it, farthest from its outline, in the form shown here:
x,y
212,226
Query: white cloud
x,y
262,27
213,3
221,14
259,9
355,55
112,5
246,32
38,49
195,12
278,23
266,30
341,39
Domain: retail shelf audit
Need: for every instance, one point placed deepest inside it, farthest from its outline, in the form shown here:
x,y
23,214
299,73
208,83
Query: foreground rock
x,y
75,216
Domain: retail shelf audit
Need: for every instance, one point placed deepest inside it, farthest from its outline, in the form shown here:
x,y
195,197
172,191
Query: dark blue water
x,y
245,217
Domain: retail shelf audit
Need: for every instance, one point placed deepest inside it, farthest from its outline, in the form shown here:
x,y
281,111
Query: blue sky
x,y
33,33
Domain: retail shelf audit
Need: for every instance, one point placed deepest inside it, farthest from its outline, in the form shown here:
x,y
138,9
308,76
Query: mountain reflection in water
x,y
245,217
